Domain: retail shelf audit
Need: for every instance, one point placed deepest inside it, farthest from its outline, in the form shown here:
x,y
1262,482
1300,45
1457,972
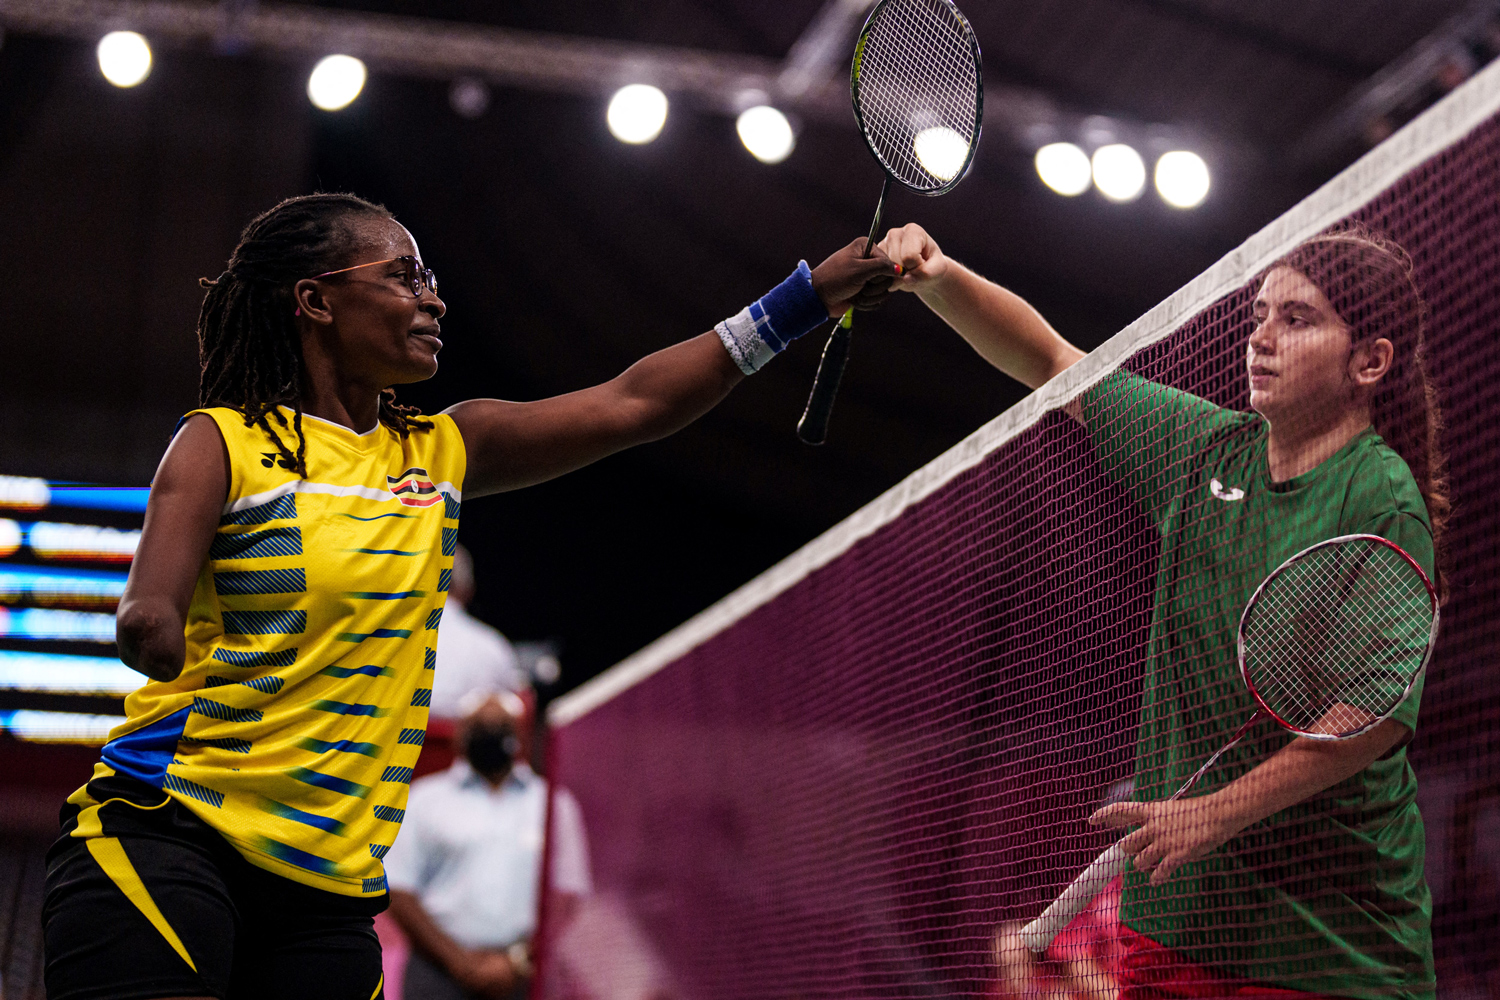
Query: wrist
x,y
1228,815
763,329
459,962
939,289
519,956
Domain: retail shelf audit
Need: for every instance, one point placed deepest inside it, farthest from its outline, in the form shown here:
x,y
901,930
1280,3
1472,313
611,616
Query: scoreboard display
x,y
65,550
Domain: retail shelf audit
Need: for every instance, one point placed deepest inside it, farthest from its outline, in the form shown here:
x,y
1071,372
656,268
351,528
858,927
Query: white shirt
x,y
471,656
472,853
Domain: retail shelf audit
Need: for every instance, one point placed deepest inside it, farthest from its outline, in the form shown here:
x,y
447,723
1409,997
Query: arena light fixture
x,y
469,97
124,58
941,151
38,726
1064,168
335,82
1182,179
1119,172
637,113
766,133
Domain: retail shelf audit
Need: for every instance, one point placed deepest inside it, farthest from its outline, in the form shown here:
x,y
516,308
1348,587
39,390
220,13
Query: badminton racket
x,y
1330,645
918,98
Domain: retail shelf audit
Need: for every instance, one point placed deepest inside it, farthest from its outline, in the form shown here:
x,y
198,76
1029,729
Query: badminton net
x,y
859,773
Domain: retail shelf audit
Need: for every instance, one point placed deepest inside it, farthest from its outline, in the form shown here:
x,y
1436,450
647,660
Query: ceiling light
x,y
1119,172
941,151
1182,179
124,58
335,82
1064,168
469,97
766,133
637,113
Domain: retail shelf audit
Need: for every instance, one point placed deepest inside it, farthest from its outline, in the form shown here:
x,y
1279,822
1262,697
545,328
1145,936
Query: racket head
x,y
918,91
1335,639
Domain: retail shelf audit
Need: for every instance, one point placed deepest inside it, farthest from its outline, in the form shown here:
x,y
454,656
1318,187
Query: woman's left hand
x,y
1170,833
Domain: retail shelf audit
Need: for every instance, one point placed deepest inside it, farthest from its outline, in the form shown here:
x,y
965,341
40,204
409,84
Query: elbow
x,y
150,640
654,426
641,420
1064,358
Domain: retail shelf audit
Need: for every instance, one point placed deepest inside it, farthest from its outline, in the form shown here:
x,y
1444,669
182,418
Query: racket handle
x,y
1073,900
813,427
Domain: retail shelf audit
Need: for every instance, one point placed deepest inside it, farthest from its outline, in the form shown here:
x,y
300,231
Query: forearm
x,y
150,636
664,392
1003,327
424,933
1299,771
1169,833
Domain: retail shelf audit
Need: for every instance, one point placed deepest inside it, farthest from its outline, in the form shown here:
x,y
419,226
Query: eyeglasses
x,y
417,276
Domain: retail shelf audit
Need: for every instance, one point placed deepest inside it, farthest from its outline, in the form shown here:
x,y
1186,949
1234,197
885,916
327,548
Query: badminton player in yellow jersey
x,y
1297,869
285,601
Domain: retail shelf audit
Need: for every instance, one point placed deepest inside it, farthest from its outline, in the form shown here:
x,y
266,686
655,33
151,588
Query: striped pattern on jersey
x,y
297,722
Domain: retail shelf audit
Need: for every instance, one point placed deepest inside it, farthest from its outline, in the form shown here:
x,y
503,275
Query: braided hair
x,y
249,346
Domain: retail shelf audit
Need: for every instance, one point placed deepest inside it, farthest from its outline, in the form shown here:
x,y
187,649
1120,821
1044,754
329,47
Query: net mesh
x,y
917,92
1334,641
862,773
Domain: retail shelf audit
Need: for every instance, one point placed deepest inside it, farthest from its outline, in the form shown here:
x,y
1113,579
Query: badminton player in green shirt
x,y
1295,868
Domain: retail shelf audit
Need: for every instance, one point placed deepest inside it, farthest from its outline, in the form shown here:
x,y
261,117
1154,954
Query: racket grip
x,y
1073,900
813,427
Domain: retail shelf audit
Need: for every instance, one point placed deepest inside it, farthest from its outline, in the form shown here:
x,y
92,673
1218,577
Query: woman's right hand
x,y
922,262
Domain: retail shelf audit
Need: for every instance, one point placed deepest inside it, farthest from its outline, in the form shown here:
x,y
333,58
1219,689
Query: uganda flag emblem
x,y
414,489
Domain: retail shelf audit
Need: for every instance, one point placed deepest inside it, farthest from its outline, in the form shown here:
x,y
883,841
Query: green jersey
x,y
1327,896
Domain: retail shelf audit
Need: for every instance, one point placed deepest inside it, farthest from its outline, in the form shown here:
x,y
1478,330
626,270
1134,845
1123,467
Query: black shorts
x,y
163,906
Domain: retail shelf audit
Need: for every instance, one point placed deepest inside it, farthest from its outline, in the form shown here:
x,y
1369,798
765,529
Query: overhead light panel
x,y
1182,179
124,58
1119,172
766,133
1064,168
335,82
637,113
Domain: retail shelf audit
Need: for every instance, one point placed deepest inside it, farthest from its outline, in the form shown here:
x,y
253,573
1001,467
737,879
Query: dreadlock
x,y
249,348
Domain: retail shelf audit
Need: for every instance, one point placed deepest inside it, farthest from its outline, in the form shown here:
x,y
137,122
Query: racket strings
x,y
917,74
1336,639
915,97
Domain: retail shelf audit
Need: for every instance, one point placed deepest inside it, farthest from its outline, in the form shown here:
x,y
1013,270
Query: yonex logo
x,y
1217,489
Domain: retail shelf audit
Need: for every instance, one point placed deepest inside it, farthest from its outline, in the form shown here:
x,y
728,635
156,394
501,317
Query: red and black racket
x,y
1330,645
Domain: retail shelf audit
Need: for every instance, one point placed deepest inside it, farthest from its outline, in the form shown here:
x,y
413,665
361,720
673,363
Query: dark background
x,y
565,255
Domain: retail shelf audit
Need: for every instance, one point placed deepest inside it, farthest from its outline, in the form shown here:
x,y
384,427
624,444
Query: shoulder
x,y
1381,484
1123,398
435,444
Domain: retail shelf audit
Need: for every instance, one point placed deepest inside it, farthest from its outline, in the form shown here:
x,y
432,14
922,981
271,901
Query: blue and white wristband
x,y
763,329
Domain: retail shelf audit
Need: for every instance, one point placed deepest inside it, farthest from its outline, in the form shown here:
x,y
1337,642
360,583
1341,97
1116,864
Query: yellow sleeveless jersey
x,y
302,704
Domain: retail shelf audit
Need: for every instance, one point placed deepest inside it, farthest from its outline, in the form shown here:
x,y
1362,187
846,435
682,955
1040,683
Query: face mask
x,y
491,751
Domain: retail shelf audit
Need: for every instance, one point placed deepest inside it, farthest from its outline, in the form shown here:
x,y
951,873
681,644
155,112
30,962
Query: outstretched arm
x,y
511,445
1170,834
182,514
999,324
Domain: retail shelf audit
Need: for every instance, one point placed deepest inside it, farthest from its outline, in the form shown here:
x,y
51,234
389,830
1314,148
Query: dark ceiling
x,y
565,255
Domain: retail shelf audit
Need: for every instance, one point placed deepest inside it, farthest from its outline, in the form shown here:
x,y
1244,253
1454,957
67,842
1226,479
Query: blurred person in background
x,y
465,871
471,656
